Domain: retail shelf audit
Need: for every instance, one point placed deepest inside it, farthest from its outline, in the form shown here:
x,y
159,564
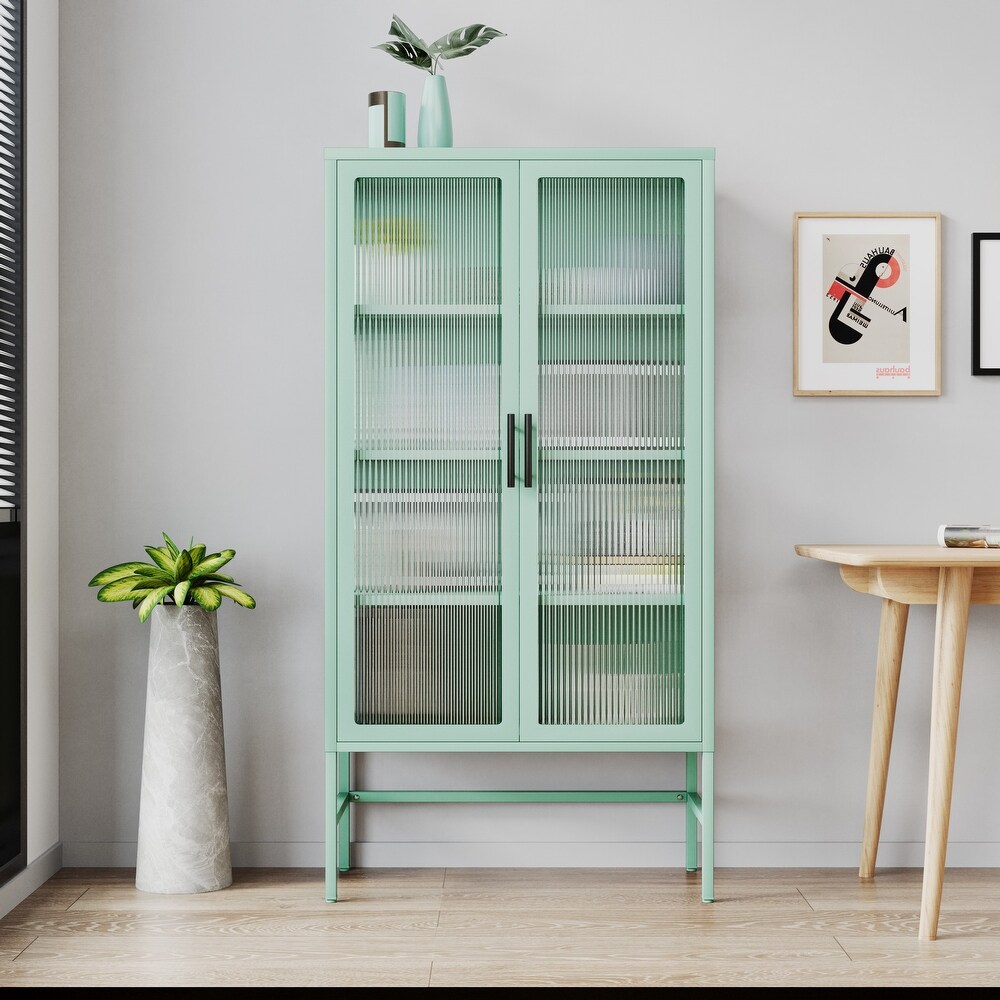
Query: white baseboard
x,y
278,855
652,855
553,855
97,855
22,885
245,855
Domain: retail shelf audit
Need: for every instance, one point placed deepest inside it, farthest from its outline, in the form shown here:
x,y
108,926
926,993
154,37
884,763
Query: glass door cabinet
x,y
519,465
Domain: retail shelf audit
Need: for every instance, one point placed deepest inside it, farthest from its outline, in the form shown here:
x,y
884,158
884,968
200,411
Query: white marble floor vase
x,y
183,842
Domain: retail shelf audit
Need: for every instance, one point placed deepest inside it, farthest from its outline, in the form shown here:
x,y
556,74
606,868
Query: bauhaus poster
x,y
866,304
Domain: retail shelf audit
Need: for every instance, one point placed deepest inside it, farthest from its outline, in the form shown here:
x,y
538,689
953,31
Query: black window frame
x,y
13,663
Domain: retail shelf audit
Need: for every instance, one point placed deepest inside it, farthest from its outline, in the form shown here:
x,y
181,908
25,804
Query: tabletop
x,y
900,555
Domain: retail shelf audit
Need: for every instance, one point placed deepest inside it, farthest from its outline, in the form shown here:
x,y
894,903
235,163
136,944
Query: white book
x,y
967,536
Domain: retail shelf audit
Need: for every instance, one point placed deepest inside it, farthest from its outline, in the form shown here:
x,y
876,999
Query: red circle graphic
x,y
892,277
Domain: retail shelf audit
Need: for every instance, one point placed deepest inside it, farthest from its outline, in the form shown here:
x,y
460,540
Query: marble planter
x,y
184,804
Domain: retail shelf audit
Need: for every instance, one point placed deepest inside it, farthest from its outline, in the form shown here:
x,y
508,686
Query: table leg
x,y
892,632
954,591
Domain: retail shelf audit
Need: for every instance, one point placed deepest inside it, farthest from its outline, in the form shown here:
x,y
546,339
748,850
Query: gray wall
x,y
42,423
191,368
41,90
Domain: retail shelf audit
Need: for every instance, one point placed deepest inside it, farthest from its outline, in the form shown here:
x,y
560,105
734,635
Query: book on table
x,y
965,536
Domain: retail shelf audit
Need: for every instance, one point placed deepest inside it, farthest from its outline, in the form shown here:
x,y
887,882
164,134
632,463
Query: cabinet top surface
x,y
900,555
516,153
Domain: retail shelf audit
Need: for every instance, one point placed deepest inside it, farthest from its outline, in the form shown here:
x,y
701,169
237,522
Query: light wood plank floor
x,y
506,927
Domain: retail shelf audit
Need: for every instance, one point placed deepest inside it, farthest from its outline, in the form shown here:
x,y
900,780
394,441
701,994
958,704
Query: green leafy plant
x,y
176,575
412,49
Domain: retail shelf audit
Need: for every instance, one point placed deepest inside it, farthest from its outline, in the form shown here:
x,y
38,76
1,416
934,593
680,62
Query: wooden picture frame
x,y
866,304
986,303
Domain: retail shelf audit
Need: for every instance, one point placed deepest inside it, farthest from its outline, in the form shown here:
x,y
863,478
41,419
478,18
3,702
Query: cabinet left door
x,y
424,351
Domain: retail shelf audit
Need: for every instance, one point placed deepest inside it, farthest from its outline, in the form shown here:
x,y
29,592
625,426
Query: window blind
x,y
12,660
11,258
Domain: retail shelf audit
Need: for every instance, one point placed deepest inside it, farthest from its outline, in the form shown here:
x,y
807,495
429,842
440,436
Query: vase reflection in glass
x,y
434,126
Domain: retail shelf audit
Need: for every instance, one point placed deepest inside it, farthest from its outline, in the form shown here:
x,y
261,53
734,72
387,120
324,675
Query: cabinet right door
x,y
611,524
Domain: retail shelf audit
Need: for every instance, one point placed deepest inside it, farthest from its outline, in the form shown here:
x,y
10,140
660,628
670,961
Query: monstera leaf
x,y
408,47
405,52
399,29
464,41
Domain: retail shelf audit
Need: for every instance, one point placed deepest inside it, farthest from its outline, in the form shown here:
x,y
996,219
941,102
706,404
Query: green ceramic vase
x,y
434,126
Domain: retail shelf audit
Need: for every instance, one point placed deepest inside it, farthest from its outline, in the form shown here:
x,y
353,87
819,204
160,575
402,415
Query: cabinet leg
x,y
954,590
891,634
331,827
691,819
707,821
708,827
344,825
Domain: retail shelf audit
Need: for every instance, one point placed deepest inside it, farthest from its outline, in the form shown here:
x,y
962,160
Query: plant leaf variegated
x,y
410,48
464,41
405,52
176,575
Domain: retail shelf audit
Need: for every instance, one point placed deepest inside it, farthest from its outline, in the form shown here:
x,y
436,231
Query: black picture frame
x,y
980,334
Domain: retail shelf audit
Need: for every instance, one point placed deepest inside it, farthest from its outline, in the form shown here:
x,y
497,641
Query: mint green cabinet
x,y
519,459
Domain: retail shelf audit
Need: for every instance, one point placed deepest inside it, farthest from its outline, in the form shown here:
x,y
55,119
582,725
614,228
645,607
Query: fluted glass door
x,y
424,511
607,530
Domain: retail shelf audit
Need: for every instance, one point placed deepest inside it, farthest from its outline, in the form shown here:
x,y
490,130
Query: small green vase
x,y
434,125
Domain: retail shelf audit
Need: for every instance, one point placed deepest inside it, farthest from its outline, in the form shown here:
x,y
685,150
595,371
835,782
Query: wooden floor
x,y
506,927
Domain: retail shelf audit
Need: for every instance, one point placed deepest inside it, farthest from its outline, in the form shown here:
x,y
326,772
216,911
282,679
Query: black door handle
x,y
510,450
527,449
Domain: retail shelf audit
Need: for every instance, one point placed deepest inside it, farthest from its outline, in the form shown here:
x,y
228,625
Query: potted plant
x,y
434,125
183,838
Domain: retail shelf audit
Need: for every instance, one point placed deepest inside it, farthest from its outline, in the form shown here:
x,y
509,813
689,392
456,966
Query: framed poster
x,y
866,304
986,303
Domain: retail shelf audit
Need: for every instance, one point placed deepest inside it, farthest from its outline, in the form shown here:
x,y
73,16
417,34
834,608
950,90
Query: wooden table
x,y
951,578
